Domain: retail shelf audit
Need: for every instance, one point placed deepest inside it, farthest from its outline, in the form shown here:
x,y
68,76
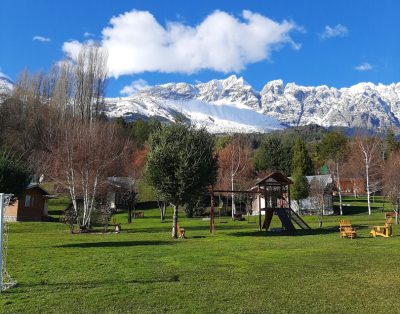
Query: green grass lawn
x,y
237,270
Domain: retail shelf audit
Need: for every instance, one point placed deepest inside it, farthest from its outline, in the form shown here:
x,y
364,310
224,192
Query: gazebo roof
x,y
274,178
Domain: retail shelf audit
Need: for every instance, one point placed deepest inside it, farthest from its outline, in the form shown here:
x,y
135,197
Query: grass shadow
x,y
295,233
114,244
21,287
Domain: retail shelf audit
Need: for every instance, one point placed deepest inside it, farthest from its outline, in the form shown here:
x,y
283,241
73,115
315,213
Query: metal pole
x,y
212,226
1,239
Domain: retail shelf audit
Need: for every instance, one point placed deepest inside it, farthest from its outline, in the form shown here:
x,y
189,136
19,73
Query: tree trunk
x,y
322,213
175,222
233,201
162,206
129,214
368,192
340,189
162,211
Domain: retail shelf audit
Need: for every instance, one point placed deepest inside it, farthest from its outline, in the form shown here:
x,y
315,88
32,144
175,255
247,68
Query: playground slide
x,y
284,217
297,219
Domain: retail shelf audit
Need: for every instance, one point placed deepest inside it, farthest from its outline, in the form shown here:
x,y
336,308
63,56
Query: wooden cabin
x,y
31,206
118,187
309,205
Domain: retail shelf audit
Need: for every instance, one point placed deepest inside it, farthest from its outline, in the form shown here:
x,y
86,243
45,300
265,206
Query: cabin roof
x,y
37,186
323,178
274,178
121,182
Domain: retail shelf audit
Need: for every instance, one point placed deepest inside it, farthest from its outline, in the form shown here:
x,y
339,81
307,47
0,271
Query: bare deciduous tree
x,y
235,167
84,156
90,80
369,150
317,193
391,181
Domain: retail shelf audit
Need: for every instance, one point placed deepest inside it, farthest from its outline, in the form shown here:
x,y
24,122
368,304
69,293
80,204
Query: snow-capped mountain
x,y
232,105
6,86
364,105
222,106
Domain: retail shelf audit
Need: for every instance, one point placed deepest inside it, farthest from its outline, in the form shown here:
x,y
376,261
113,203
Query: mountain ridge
x,y
232,105
363,105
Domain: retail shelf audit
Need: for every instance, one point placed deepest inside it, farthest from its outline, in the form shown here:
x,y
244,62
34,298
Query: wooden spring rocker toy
x,y
383,231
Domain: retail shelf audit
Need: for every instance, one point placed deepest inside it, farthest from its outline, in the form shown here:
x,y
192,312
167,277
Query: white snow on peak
x,y
223,105
232,105
6,85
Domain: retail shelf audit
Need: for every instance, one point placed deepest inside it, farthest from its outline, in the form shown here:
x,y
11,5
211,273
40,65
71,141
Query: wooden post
x,y
212,225
2,209
265,205
259,209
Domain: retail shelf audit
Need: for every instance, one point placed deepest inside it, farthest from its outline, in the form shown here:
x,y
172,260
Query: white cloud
x,y
136,42
87,34
41,39
134,87
72,48
363,67
336,31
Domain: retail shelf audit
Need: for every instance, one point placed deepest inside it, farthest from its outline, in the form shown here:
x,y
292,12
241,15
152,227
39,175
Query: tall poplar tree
x,y
302,165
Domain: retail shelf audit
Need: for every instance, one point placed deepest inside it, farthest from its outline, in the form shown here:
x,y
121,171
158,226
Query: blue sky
x,y
337,43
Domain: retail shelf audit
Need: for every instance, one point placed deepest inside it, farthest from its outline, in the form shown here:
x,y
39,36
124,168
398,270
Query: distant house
x,y
354,186
117,189
309,205
31,206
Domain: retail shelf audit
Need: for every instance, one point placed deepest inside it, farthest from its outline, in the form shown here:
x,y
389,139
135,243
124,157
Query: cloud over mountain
x,y
136,42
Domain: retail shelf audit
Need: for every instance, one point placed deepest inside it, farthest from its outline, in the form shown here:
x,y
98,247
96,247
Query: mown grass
x,y
237,270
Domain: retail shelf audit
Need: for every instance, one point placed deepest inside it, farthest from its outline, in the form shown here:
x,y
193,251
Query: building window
x,y
27,200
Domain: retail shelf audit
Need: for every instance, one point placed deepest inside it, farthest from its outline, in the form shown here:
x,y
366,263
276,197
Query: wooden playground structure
x,y
273,196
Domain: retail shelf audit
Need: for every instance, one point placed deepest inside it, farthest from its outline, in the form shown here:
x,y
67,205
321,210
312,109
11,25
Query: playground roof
x,y
274,178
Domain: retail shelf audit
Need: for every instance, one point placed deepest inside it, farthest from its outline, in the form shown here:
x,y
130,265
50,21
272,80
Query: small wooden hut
x,y
30,206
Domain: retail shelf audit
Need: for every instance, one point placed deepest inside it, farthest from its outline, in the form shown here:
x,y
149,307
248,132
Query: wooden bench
x,y
138,214
346,230
383,231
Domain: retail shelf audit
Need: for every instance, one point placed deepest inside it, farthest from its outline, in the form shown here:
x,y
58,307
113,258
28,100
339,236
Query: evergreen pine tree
x,y
301,159
300,187
301,166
